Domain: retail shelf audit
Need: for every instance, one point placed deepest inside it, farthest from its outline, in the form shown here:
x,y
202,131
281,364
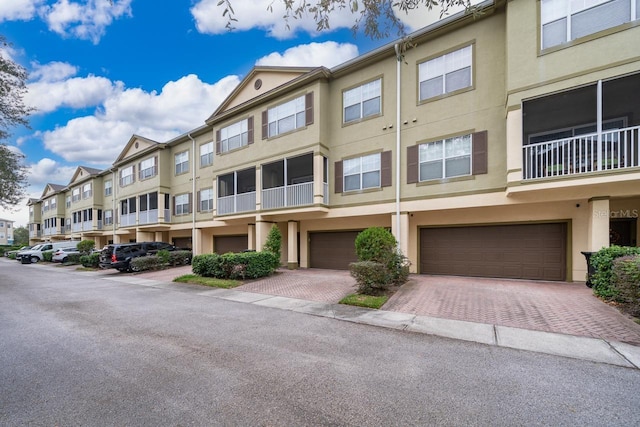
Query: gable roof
x,y
51,189
83,172
135,145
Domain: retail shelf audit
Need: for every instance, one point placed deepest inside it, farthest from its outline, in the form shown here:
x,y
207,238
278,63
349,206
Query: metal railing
x,y
325,195
617,149
236,203
289,195
76,227
127,219
148,217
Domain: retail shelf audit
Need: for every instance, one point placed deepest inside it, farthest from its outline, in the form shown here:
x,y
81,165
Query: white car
x,y
62,254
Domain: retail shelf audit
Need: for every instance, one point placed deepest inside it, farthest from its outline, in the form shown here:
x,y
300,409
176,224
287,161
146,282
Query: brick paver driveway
x,y
567,308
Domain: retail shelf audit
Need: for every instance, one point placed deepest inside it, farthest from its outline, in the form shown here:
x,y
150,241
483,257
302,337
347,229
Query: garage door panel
x,y
526,251
224,244
332,250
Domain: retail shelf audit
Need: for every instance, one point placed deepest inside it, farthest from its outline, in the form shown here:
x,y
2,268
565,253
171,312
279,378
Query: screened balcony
x,y
237,192
289,182
583,131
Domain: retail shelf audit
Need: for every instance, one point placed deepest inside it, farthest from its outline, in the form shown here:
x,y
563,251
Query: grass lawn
x,y
364,300
207,281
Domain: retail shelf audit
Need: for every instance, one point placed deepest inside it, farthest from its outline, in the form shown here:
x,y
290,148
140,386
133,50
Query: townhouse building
x,y
6,232
497,145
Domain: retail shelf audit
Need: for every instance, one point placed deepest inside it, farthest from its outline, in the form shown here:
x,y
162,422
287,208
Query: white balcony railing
x,y
127,219
617,149
289,195
167,215
237,203
76,227
87,225
148,217
325,195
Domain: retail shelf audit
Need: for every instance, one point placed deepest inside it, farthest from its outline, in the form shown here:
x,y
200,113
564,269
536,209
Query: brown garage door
x,y
224,244
332,250
522,251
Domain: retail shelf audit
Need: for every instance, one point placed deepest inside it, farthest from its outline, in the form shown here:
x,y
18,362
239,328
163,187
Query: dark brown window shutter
x,y
174,205
156,164
338,177
198,202
413,158
218,141
250,130
190,202
308,108
265,124
385,169
480,153
133,174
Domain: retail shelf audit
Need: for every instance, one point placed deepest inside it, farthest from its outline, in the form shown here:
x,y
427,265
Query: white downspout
x,y
194,239
398,222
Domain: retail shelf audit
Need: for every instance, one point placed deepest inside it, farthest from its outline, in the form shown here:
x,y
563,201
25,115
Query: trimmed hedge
x,y
47,256
90,261
73,259
162,259
372,277
243,265
626,283
602,262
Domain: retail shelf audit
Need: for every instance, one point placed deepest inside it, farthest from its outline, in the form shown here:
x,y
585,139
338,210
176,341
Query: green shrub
x,y
372,277
626,283
86,246
73,259
180,258
47,256
244,265
144,263
90,261
12,256
163,256
375,244
602,262
273,243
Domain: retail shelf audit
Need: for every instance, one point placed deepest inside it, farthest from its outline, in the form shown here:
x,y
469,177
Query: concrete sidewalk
x,y
336,284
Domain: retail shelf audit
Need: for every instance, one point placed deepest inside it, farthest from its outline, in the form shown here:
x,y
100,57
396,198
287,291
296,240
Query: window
x,y
286,117
148,201
148,168
126,176
362,101
445,158
75,195
445,74
206,154
46,206
128,206
108,217
68,203
235,135
182,162
564,20
206,200
362,172
108,188
52,204
182,204
86,191
31,208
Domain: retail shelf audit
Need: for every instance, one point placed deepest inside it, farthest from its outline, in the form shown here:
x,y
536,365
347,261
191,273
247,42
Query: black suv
x,y
119,255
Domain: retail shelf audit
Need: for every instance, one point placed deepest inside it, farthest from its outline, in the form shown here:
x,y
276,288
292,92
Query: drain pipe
x,y
398,231
194,200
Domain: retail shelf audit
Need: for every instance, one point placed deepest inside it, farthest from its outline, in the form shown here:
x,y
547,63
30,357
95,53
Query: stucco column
x,y
292,245
403,238
161,208
258,188
214,211
318,182
251,237
514,145
598,233
262,231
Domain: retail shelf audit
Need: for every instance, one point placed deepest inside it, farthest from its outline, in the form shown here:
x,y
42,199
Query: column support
x,y
599,214
292,245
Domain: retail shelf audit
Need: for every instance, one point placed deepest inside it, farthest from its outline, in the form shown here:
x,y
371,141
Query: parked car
x,y
15,252
62,254
119,255
35,254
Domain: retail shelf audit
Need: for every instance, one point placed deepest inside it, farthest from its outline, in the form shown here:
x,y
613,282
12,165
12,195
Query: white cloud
x,y
52,72
327,54
48,171
256,14
86,20
18,10
98,139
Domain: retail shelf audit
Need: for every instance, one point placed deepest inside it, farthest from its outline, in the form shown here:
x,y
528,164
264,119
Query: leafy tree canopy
x,y
376,17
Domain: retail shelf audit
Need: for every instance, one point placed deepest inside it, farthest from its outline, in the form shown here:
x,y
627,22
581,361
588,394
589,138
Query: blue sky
x,y
101,72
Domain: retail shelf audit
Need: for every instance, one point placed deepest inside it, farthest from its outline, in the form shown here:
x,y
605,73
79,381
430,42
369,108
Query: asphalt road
x,y
80,350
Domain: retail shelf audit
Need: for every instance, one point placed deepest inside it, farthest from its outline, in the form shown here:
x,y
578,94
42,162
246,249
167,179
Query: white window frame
x,y
206,154
108,188
427,154
368,166
182,204
361,96
52,204
234,136
75,195
181,161
108,217
46,206
126,176
87,191
443,66
556,11
206,204
293,110
148,168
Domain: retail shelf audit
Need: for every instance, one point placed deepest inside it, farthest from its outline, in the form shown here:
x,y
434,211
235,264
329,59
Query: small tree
x,y
86,246
273,243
